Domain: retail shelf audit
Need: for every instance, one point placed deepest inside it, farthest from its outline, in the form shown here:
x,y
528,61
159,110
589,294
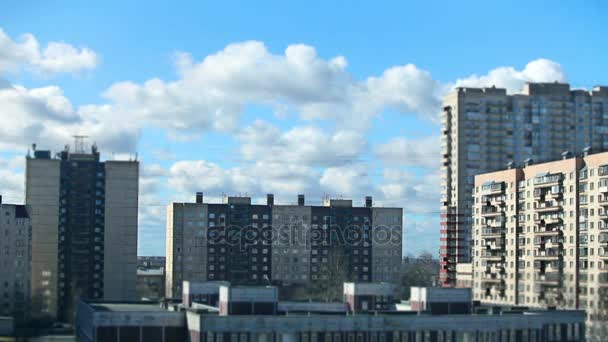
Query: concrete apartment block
x,y
483,129
120,240
15,260
42,195
84,229
280,244
541,235
186,248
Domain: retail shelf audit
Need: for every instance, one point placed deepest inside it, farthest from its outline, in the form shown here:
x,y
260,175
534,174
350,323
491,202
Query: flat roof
x,y
127,307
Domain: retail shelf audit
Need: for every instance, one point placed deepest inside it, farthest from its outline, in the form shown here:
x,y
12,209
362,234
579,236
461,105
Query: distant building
x,y
262,244
15,259
150,262
150,284
483,129
255,314
84,229
541,235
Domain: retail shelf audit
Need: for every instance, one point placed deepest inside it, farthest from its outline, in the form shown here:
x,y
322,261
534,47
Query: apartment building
x,y
15,256
541,234
260,244
484,129
84,229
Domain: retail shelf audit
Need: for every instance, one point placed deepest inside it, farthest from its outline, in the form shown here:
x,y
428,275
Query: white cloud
x,y
57,57
46,116
212,93
423,152
539,70
302,145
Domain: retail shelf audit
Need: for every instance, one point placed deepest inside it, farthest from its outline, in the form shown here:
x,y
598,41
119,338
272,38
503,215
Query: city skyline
x,y
328,117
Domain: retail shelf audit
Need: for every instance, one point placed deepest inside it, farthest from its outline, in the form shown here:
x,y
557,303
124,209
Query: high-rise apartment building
x,y
485,129
260,244
84,229
541,234
15,257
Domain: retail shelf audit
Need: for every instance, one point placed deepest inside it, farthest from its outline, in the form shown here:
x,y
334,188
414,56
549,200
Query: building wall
x,y
552,249
263,253
42,195
484,129
387,244
15,259
291,246
120,240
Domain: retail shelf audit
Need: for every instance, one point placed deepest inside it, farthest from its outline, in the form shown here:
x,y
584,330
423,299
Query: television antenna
x,y
79,143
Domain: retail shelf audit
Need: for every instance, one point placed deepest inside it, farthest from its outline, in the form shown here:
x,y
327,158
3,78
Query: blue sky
x,y
376,105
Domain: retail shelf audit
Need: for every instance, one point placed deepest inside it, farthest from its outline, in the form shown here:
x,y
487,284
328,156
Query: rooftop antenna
x,y
79,143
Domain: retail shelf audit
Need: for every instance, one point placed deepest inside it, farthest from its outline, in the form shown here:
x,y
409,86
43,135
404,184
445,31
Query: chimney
x,y
199,197
566,155
300,199
368,201
269,199
586,151
528,162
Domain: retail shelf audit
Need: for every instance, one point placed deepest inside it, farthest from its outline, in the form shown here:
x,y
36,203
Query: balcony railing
x,y
492,231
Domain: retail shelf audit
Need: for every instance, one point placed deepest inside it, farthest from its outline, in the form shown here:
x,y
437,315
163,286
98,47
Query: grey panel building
x,y
84,229
483,129
15,259
255,244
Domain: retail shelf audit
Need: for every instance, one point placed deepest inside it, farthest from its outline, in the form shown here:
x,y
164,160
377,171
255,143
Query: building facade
x,y
15,258
84,229
255,244
484,129
541,235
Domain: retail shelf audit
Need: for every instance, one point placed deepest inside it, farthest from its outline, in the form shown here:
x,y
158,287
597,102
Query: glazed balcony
x,y
491,211
549,279
549,254
548,207
495,256
492,232
547,220
549,231
547,180
492,188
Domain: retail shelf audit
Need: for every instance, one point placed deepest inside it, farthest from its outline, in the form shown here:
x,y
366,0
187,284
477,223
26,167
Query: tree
x,y
420,271
331,277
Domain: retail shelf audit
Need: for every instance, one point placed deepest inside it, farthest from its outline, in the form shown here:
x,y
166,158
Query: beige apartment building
x,y
292,244
15,257
84,229
541,234
484,129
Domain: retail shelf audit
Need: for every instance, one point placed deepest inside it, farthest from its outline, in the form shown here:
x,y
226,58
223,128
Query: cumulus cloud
x,y
212,93
423,152
539,70
46,115
307,145
56,57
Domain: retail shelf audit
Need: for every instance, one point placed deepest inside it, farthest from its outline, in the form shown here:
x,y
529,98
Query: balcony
x,y
548,220
547,180
603,189
546,231
497,256
549,254
491,188
603,279
491,211
549,279
548,207
492,232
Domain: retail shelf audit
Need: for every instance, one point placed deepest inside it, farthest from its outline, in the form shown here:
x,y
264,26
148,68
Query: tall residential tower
x,y
484,129
84,229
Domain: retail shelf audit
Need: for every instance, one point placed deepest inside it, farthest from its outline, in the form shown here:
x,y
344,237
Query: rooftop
x,y
128,307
